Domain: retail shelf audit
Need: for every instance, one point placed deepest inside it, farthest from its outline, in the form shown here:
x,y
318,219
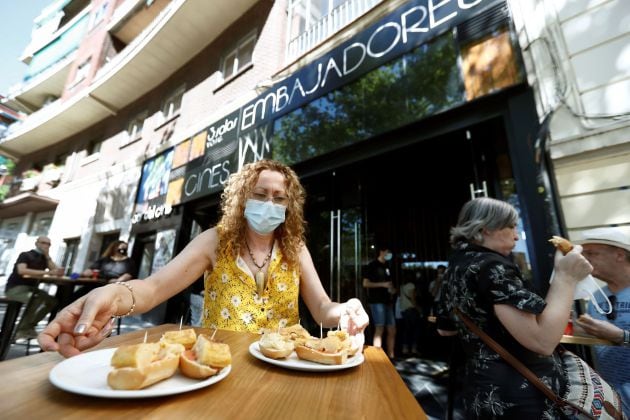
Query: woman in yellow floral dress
x,y
255,262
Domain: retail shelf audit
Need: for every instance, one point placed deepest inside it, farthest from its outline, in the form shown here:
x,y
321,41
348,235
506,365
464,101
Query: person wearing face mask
x,y
608,250
256,266
377,279
114,265
35,262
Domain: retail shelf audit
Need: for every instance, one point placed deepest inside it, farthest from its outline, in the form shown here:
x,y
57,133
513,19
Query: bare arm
x,y
367,283
179,273
541,333
598,328
86,322
124,277
320,306
23,270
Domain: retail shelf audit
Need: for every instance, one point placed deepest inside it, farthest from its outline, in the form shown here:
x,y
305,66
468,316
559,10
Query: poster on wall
x,y
153,188
164,246
209,168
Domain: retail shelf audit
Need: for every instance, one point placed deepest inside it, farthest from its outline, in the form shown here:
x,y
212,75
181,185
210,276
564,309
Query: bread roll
x,y
191,368
296,333
140,365
275,346
327,351
562,244
347,343
318,356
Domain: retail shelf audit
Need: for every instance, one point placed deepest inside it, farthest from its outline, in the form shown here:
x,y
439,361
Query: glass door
x,y
335,227
493,177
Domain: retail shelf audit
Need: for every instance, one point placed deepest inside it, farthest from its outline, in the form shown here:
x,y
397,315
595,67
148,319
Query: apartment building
x,y
393,113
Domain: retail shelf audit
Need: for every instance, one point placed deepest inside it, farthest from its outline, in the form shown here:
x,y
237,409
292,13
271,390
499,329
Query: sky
x,y
15,33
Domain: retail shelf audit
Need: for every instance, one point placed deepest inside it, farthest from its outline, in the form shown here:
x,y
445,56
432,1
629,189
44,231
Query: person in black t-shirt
x,y
114,265
35,262
377,280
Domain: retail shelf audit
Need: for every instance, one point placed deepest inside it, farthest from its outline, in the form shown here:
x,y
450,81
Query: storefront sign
x,y
202,164
401,31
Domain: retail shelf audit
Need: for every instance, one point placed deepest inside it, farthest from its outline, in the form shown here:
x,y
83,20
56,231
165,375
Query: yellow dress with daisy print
x,y
232,301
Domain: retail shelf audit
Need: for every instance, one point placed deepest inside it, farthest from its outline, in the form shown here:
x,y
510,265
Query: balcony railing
x,y
338,18
36,181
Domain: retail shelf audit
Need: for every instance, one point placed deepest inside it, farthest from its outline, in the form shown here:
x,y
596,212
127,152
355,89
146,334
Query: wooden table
x,y
586,341
253,390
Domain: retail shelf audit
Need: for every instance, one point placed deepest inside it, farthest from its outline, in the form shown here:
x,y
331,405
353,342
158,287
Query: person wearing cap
x,y
608,251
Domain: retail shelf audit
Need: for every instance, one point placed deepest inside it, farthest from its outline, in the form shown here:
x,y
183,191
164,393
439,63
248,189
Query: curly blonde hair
x,y
231,227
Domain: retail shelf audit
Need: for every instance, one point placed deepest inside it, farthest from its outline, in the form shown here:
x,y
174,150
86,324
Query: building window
x,y
173,103
98,15
41,226
94,147
134,129
70,254
313,21
240,57
82,72
107,239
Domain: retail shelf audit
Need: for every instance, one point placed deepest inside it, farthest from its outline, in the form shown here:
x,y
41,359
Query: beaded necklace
x,y
259,276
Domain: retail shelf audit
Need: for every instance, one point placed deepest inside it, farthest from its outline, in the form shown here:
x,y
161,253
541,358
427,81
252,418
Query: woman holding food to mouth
x,y
486,285
255,262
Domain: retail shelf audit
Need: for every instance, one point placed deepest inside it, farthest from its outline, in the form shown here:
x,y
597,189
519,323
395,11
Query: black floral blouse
x,y
478,278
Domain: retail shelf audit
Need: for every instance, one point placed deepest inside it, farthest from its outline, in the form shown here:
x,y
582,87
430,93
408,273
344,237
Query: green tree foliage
x,y
418,84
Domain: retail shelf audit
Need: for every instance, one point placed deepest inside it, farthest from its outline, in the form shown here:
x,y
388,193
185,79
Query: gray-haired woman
x,y
484,283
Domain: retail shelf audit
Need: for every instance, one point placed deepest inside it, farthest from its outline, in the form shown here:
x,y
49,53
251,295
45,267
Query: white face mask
x,y
586,289
264,216
388,256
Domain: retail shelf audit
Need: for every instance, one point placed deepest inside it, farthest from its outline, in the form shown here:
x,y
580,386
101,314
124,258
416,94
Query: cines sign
x,y
245,134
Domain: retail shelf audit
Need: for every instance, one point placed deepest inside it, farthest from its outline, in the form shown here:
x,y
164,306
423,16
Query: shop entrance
x,y
407,198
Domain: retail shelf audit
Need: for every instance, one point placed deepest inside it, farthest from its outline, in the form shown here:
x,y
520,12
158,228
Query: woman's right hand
x,y
572,267
82,324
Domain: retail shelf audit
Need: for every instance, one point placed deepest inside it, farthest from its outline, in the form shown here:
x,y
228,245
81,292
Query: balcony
x,y
38,181
174,37
42,89
50,58
328,25
132,17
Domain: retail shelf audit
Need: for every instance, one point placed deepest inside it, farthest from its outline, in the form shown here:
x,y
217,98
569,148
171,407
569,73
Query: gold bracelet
x,y
133,299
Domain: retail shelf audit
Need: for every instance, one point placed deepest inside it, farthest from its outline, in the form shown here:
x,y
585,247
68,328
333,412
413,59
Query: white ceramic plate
x,y
293,362
86,374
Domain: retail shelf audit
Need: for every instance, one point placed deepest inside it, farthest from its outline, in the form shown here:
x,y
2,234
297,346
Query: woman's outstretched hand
x,y
354,318
80,325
